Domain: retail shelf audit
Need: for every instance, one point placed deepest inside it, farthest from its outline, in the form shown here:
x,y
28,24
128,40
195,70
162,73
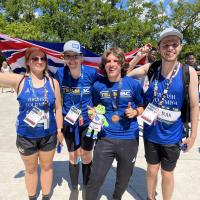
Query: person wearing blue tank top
x,y
38,125
122,98
75,81
163,129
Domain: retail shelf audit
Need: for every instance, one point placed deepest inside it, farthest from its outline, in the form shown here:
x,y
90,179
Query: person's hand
x,y
189,142
144,51
91,112
130,112
60,137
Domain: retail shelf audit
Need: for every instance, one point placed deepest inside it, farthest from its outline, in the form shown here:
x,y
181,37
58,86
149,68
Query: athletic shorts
x,y
29,146
85,143
166,155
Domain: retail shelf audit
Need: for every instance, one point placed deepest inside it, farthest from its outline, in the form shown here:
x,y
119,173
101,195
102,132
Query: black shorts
x,y
167,155
85,143
29,146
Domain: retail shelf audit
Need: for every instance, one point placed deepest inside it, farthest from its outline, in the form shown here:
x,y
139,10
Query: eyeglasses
x,y
173,45
72,57
37,59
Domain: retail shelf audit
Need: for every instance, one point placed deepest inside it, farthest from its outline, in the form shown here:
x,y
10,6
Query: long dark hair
x,y
119,53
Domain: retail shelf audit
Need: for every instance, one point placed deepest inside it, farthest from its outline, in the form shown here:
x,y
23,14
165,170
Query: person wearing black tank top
x,y
39,121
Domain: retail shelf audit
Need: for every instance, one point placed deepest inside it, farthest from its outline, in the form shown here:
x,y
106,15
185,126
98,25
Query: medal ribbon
x,y
115,102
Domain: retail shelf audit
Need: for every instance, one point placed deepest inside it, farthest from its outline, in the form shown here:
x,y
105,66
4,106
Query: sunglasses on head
x,y
36,59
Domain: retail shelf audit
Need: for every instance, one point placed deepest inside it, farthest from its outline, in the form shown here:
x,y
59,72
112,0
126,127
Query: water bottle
x,y
59,147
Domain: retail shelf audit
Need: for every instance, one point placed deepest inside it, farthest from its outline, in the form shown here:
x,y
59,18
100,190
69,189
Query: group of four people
x,y
82,88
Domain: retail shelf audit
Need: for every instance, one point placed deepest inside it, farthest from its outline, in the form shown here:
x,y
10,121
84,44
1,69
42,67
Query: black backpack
x,y
185,110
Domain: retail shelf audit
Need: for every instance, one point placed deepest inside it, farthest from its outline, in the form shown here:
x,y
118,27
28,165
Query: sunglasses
x,y
37,59
72,57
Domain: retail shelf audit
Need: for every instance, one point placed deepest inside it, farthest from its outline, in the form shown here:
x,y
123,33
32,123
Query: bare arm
x,y
194,107
10,80
140,71
58,107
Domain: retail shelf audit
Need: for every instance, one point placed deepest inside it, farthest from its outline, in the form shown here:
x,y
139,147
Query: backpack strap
x,y
185,111
153,70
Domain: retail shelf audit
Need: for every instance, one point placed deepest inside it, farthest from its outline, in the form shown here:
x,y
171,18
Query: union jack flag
x,y
13,49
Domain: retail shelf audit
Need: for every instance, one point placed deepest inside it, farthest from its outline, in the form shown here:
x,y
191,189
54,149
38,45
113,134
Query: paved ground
x,y
187,173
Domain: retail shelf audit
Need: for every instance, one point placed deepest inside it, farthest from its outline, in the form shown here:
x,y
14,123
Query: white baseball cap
x,y
72,45
168,32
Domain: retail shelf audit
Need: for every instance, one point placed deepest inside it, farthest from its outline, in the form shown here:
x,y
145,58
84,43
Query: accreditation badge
x,y
150,114
72,115
34,116
46,120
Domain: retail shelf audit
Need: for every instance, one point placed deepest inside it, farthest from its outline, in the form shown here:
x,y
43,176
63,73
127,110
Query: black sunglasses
x,y
36,59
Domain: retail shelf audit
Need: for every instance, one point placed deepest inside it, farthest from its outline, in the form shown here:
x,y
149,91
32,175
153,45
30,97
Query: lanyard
x,y
115,102
45,103
81,88
164,94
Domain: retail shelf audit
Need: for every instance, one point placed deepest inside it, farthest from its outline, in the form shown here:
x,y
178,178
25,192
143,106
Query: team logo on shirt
x,y
75,90
123,94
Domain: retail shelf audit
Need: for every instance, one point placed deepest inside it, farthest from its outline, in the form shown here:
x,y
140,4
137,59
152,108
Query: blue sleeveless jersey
x,y
131,91
77,86
168,128
27,101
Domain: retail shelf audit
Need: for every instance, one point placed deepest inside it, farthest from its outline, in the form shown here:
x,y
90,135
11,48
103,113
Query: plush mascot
x,y
98,121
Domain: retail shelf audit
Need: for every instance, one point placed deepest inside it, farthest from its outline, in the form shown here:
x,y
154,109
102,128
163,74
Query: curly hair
x,y
119,53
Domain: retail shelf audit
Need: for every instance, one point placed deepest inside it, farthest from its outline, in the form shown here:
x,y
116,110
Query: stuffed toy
x,y
98,121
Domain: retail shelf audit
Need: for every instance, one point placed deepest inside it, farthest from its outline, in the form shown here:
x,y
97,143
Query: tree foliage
x,y
99,24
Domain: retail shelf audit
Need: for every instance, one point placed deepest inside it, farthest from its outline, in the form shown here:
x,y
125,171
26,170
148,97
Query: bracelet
x,y
59,130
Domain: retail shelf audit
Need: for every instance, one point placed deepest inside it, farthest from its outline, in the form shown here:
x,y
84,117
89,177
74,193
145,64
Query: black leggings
x,y
106,150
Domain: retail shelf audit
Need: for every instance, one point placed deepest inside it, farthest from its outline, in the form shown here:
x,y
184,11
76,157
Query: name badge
x,y
150,114
72,115
46,120
34,116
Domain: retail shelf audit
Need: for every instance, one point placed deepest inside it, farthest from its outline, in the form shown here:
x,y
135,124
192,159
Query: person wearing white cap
x,y
75,81
163,129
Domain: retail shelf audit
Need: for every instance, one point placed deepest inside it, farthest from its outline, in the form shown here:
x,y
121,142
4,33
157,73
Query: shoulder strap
x,y
52,83
20,83
185,111
153,69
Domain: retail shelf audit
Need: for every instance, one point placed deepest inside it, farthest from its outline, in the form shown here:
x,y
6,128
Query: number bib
x,y
34,116
150,114
72,115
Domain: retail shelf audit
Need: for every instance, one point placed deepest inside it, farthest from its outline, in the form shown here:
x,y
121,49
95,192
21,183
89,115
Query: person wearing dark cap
x,y
163,129
75,81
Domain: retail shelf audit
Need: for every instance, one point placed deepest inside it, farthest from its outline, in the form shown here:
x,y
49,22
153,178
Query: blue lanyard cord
x,y
45,103
115,102
165,91
81,88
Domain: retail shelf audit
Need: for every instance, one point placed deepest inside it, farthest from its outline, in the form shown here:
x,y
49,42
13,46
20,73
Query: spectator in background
x,y
152,55
6,69
191,60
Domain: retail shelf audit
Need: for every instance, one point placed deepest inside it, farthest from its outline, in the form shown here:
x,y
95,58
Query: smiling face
x,y
36,60
169,48
72,59
113,67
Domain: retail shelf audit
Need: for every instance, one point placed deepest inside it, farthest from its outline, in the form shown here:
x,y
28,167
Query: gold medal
x,y
115,118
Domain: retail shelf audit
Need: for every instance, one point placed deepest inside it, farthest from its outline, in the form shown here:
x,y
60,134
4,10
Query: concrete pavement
x,y
12,187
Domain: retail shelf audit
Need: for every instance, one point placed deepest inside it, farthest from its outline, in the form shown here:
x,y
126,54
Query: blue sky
x,y
166,3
